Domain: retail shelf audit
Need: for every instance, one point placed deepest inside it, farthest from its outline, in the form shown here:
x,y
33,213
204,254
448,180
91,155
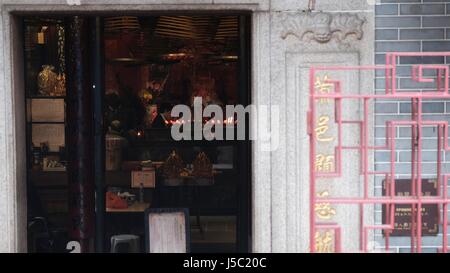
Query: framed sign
x,y
144,178
402,212
53,134
47,110
167,230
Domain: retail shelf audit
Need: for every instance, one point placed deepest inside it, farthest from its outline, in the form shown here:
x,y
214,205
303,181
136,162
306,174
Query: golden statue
x,y
202,166
173,166
47,80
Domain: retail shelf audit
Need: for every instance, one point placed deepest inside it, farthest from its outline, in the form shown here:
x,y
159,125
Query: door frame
x,y
244,185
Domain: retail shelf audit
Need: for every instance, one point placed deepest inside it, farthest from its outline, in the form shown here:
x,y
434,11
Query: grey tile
x,y
380,142
397,46
380,83
380,132
404,132
403,70
382,119
380,58
421,34
400,1
434,117
407,83
431,156
405,107
386,34
429,131
427,156
426,131
379,179
422,9
405,168
429,72
397,21
383,156
436,46
433,107
422,60
387,9
430,250
380,92
382,167
429,168
380,73
383,107
429,144
436,21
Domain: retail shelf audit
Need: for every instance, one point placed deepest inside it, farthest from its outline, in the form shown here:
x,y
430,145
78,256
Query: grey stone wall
x,y
410,25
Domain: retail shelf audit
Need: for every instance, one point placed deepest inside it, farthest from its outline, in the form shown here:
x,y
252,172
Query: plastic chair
x,y
128,239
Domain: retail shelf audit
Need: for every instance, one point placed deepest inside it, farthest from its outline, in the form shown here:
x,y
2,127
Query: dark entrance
x,y
123,75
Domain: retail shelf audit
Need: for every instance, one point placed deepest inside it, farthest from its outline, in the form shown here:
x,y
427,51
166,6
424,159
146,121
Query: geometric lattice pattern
x,y
328,148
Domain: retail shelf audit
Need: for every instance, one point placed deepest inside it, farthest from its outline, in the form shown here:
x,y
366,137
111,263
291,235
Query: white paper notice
x,y
167,232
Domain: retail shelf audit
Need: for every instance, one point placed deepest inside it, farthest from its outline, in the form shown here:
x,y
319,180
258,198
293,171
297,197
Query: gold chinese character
x,y
324,210
322,128
324,242
323,87
324,163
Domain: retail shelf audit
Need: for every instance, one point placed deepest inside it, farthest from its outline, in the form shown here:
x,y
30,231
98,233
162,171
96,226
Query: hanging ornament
x,y
60,86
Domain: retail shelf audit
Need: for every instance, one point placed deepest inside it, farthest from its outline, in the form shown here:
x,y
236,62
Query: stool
x,y
131,240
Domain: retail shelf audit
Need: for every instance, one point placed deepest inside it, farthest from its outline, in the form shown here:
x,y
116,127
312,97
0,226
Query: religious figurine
x,y
173,166
202,166
151,109
47,80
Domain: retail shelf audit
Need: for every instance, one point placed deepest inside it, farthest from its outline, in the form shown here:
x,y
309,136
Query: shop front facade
x,y
284,40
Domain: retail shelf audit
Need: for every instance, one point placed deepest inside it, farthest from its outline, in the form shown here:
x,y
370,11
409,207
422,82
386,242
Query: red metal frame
x,y
416,199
